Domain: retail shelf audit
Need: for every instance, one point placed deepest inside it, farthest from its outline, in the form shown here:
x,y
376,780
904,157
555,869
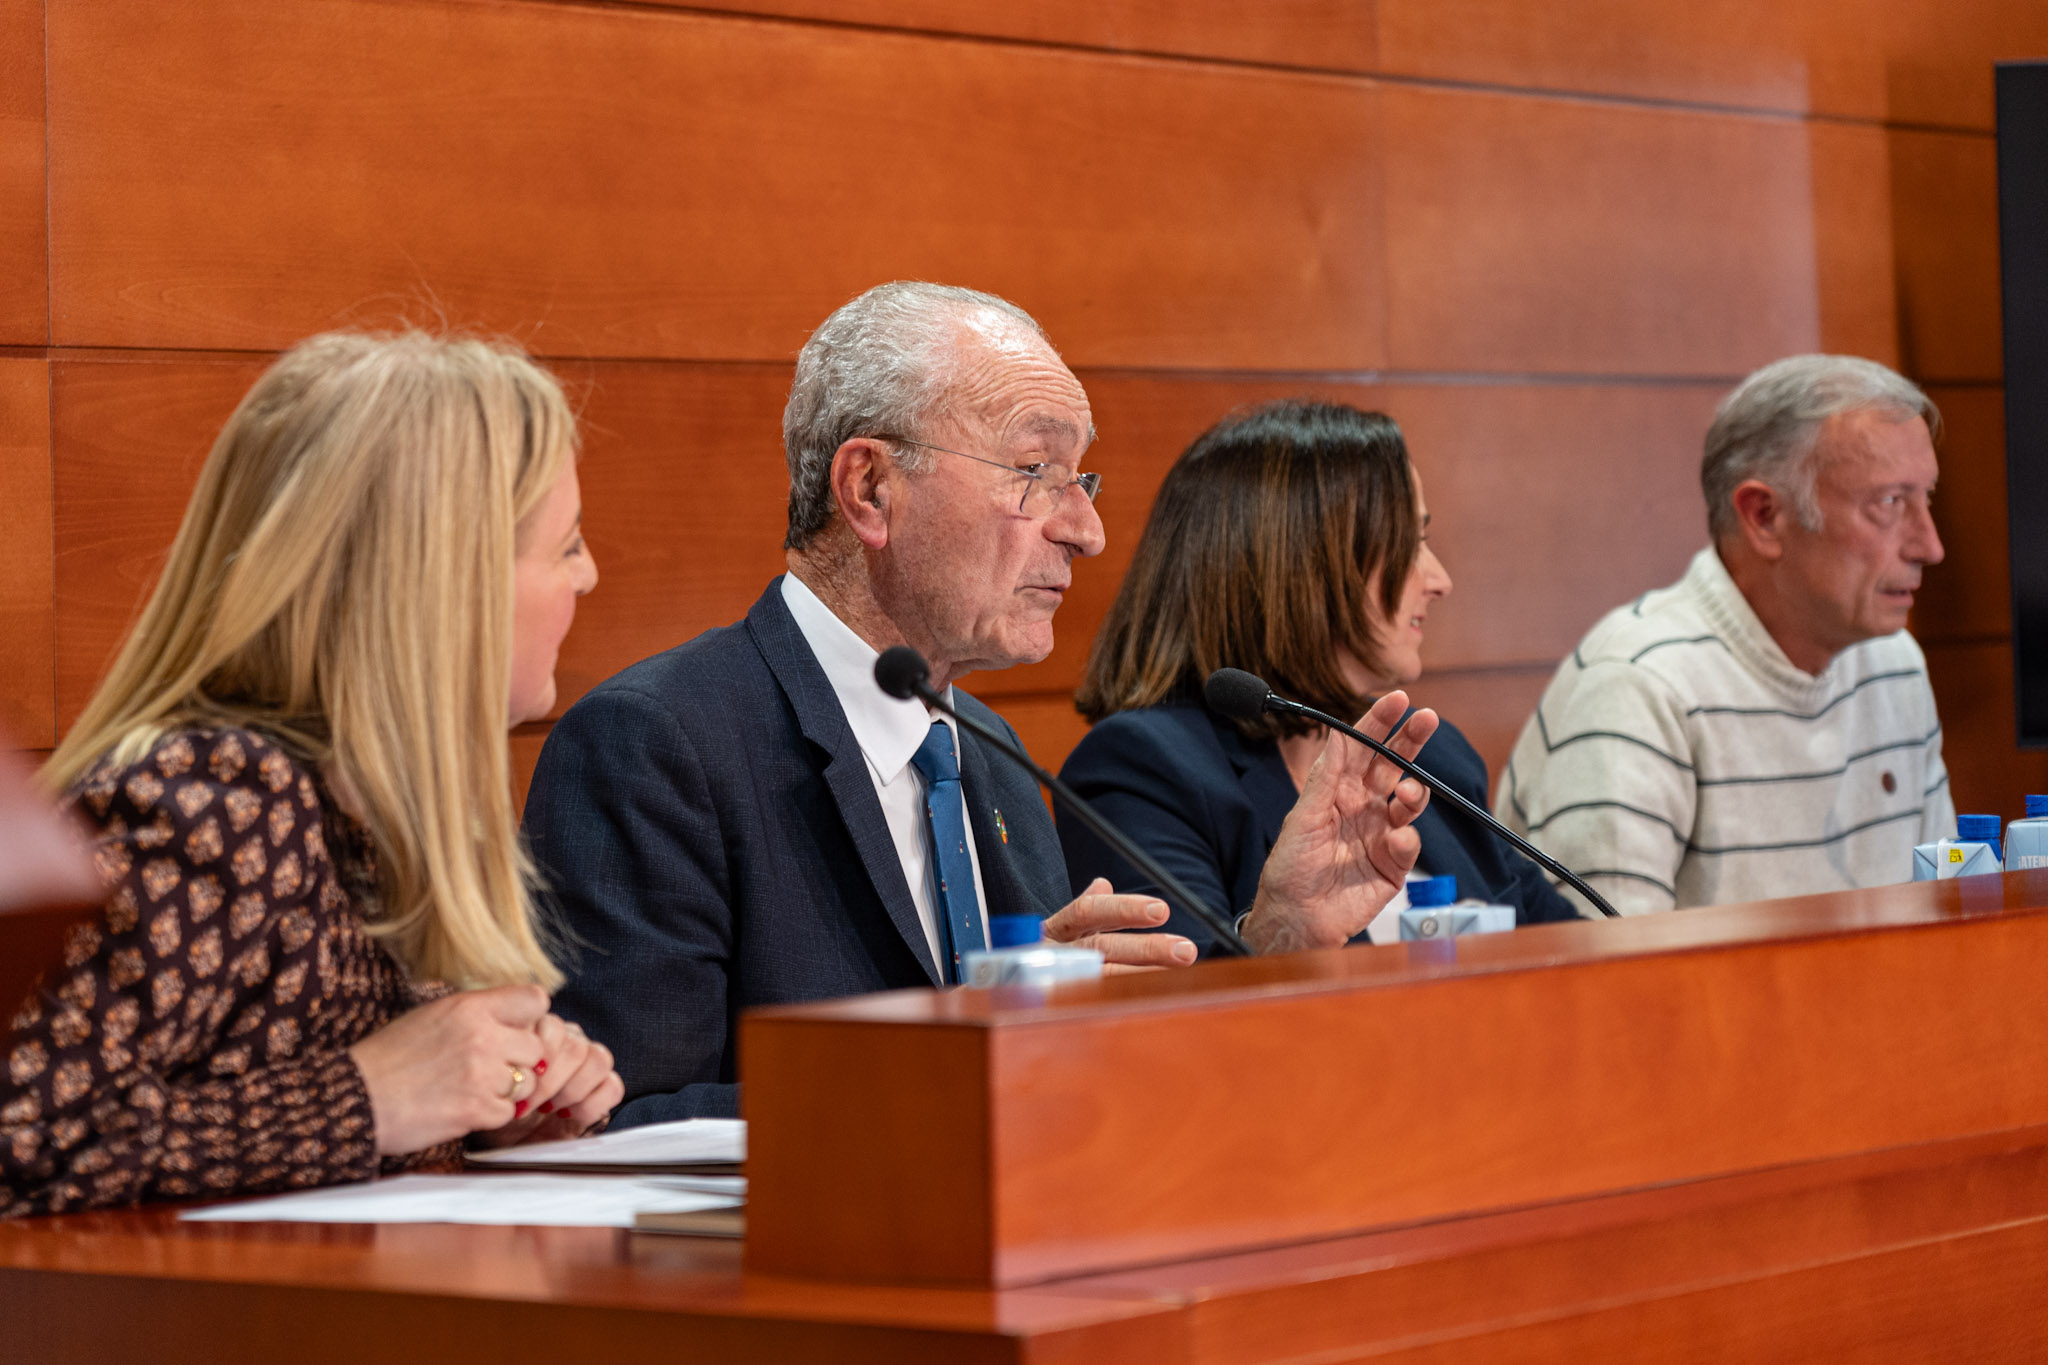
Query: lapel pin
x,y
1001,828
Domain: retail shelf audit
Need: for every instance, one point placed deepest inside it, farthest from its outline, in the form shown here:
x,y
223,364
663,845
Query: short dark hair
x,y
1260,554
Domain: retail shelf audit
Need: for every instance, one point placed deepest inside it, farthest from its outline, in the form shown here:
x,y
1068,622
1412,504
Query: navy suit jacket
x,y
712,841
1208,803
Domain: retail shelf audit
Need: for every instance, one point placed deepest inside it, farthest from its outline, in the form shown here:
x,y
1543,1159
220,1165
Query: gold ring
x,y
518,1079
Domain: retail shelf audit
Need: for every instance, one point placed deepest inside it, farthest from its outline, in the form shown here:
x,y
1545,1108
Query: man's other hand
x,y
1093,919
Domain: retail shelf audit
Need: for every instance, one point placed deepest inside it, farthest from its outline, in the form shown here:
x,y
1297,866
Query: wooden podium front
x,y
1783,1132
1011,1137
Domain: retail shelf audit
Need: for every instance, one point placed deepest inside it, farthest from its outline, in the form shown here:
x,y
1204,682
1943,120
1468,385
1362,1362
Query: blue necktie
x,y
946,819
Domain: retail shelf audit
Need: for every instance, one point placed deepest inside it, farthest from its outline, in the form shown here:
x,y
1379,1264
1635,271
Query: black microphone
x,y
1236,694
902,673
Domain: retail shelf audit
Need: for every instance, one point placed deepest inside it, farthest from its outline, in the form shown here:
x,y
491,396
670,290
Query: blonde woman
x,y
319,954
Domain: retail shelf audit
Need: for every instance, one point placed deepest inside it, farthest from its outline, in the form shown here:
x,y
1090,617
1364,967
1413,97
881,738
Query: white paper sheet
x,y
683,1142
580,1201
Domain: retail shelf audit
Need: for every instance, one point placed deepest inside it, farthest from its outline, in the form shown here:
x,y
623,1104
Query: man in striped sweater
x,y
1764,726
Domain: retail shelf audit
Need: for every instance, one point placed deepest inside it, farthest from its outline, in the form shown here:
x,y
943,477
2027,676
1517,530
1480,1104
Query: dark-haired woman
x,y
1289,541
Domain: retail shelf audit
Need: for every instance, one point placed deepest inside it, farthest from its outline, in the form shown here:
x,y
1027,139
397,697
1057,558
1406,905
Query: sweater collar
x,y
1709,585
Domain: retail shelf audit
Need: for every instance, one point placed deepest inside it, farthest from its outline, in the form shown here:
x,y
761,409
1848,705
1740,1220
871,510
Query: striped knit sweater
x,y
1679,758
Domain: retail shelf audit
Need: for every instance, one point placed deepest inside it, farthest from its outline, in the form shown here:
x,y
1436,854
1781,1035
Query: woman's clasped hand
x,y
493,1063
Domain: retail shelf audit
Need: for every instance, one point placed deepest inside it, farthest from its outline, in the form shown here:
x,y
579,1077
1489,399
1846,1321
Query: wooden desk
x,y
141,1287
1918,1232
1000,1139
1914,1256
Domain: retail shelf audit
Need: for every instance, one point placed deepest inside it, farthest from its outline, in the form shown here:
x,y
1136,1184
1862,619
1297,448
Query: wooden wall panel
x,y
1902,61
1968,596
630,182
1728,52
1938,54
1325,34
1907,61
24,282
127,441
27,699
1552,505
685,500
1945,226
1854,260
1549,236
1973,688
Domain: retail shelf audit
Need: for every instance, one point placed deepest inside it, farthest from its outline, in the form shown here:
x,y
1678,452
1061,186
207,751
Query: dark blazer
x,y
1208,803
712,840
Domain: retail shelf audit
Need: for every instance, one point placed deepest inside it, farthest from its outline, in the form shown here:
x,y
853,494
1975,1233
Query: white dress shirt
x,y
889,733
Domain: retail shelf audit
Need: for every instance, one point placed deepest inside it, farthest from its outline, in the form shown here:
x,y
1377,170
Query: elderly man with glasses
x,y
748,820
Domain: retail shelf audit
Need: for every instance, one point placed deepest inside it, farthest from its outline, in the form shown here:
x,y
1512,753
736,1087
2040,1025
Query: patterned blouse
x,y
194,1039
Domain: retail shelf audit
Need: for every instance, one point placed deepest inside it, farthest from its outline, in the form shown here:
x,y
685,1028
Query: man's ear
x,y
863,476
1760,516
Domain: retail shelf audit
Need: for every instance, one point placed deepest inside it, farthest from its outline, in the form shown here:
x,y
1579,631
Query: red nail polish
x,y
540,1068
548,1107
519,1110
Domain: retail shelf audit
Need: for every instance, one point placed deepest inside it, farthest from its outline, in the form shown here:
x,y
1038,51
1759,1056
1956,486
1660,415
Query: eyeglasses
x,y
1042,489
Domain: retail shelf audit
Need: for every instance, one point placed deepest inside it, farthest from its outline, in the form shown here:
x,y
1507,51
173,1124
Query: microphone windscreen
x,y
1236,694
900,671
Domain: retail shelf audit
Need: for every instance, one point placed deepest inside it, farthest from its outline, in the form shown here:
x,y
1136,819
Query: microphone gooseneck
x,y
1236,694
902,673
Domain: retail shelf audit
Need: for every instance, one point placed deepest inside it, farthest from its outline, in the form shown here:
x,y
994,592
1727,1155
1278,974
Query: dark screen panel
x,y
2023,250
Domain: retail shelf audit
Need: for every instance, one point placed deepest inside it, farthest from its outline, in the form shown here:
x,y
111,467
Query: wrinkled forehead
x,y
1876,446
1010,385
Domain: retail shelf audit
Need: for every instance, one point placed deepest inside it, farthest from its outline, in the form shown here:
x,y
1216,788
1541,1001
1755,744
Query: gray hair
x,y
1769,428
882,364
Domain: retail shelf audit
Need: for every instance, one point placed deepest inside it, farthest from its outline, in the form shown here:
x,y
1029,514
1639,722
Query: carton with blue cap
x,y
1974,850
2026,841
1434,911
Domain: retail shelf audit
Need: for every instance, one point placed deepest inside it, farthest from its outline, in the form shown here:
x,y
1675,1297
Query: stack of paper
x,y
582,1201
698,1146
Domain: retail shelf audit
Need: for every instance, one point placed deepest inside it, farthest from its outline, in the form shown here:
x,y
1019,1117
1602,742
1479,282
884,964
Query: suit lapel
x,y
818,715
1263,774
